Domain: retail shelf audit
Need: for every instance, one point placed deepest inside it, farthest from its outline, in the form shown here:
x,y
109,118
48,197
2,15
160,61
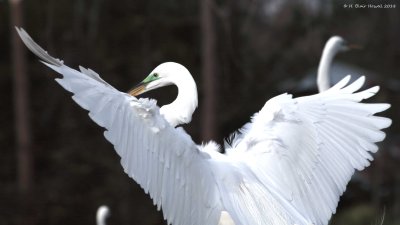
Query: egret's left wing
x,y
306,149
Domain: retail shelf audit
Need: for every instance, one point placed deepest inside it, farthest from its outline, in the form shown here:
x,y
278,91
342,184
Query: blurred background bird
x,y
103,212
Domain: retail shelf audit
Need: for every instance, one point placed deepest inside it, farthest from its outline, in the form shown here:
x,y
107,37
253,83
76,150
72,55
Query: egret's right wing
x,y
163,160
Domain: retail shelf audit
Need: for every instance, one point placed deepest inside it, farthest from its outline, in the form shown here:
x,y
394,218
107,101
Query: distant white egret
x,y
103,212
334,45
289,165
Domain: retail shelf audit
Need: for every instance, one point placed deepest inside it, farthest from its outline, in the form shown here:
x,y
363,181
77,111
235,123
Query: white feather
x,y
308,148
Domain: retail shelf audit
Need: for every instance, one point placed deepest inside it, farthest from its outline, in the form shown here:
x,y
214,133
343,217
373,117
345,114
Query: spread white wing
x,y
162,159
306,149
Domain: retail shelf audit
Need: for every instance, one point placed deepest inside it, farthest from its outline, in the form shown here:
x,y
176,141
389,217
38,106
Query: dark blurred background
x,y
57,168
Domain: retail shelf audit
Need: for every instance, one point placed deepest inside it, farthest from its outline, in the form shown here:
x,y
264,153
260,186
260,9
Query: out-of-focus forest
x,y
60,169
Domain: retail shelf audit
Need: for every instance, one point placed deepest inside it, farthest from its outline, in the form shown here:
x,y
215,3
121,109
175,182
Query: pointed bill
x,y
355,46
138,89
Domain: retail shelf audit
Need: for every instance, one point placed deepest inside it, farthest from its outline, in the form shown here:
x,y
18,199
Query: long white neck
x,y
330,50
180,111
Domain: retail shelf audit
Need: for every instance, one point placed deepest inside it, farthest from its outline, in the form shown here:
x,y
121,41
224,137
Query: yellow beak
x,y
355,46
138,89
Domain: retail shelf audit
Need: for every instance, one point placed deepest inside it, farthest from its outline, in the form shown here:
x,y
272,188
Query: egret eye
x,y
155,75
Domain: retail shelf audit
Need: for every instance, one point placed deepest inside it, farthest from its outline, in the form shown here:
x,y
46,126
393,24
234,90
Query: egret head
x,y
340,45
163,75
179,111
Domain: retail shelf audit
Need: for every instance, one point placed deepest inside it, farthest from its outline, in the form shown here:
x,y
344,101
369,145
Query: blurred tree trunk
x,y
21,110
208,113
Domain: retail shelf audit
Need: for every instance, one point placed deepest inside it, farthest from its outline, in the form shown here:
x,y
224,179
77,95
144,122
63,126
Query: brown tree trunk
x,y
21,110
208,115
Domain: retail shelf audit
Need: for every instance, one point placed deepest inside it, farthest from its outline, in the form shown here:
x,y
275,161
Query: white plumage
x,y
289,165
103,212
333,46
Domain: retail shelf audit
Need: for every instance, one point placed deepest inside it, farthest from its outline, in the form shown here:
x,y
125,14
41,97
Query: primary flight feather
x,y
289,165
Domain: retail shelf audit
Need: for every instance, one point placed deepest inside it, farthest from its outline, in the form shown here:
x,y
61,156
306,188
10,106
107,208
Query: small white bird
x,y
103,212
288,166
333,46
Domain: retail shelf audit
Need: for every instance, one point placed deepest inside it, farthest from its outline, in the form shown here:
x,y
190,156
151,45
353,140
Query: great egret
x,y
103,212
289,165
334,45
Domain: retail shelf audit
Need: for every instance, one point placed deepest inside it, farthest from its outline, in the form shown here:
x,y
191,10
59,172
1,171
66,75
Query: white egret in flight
x,y
333,46
288,165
